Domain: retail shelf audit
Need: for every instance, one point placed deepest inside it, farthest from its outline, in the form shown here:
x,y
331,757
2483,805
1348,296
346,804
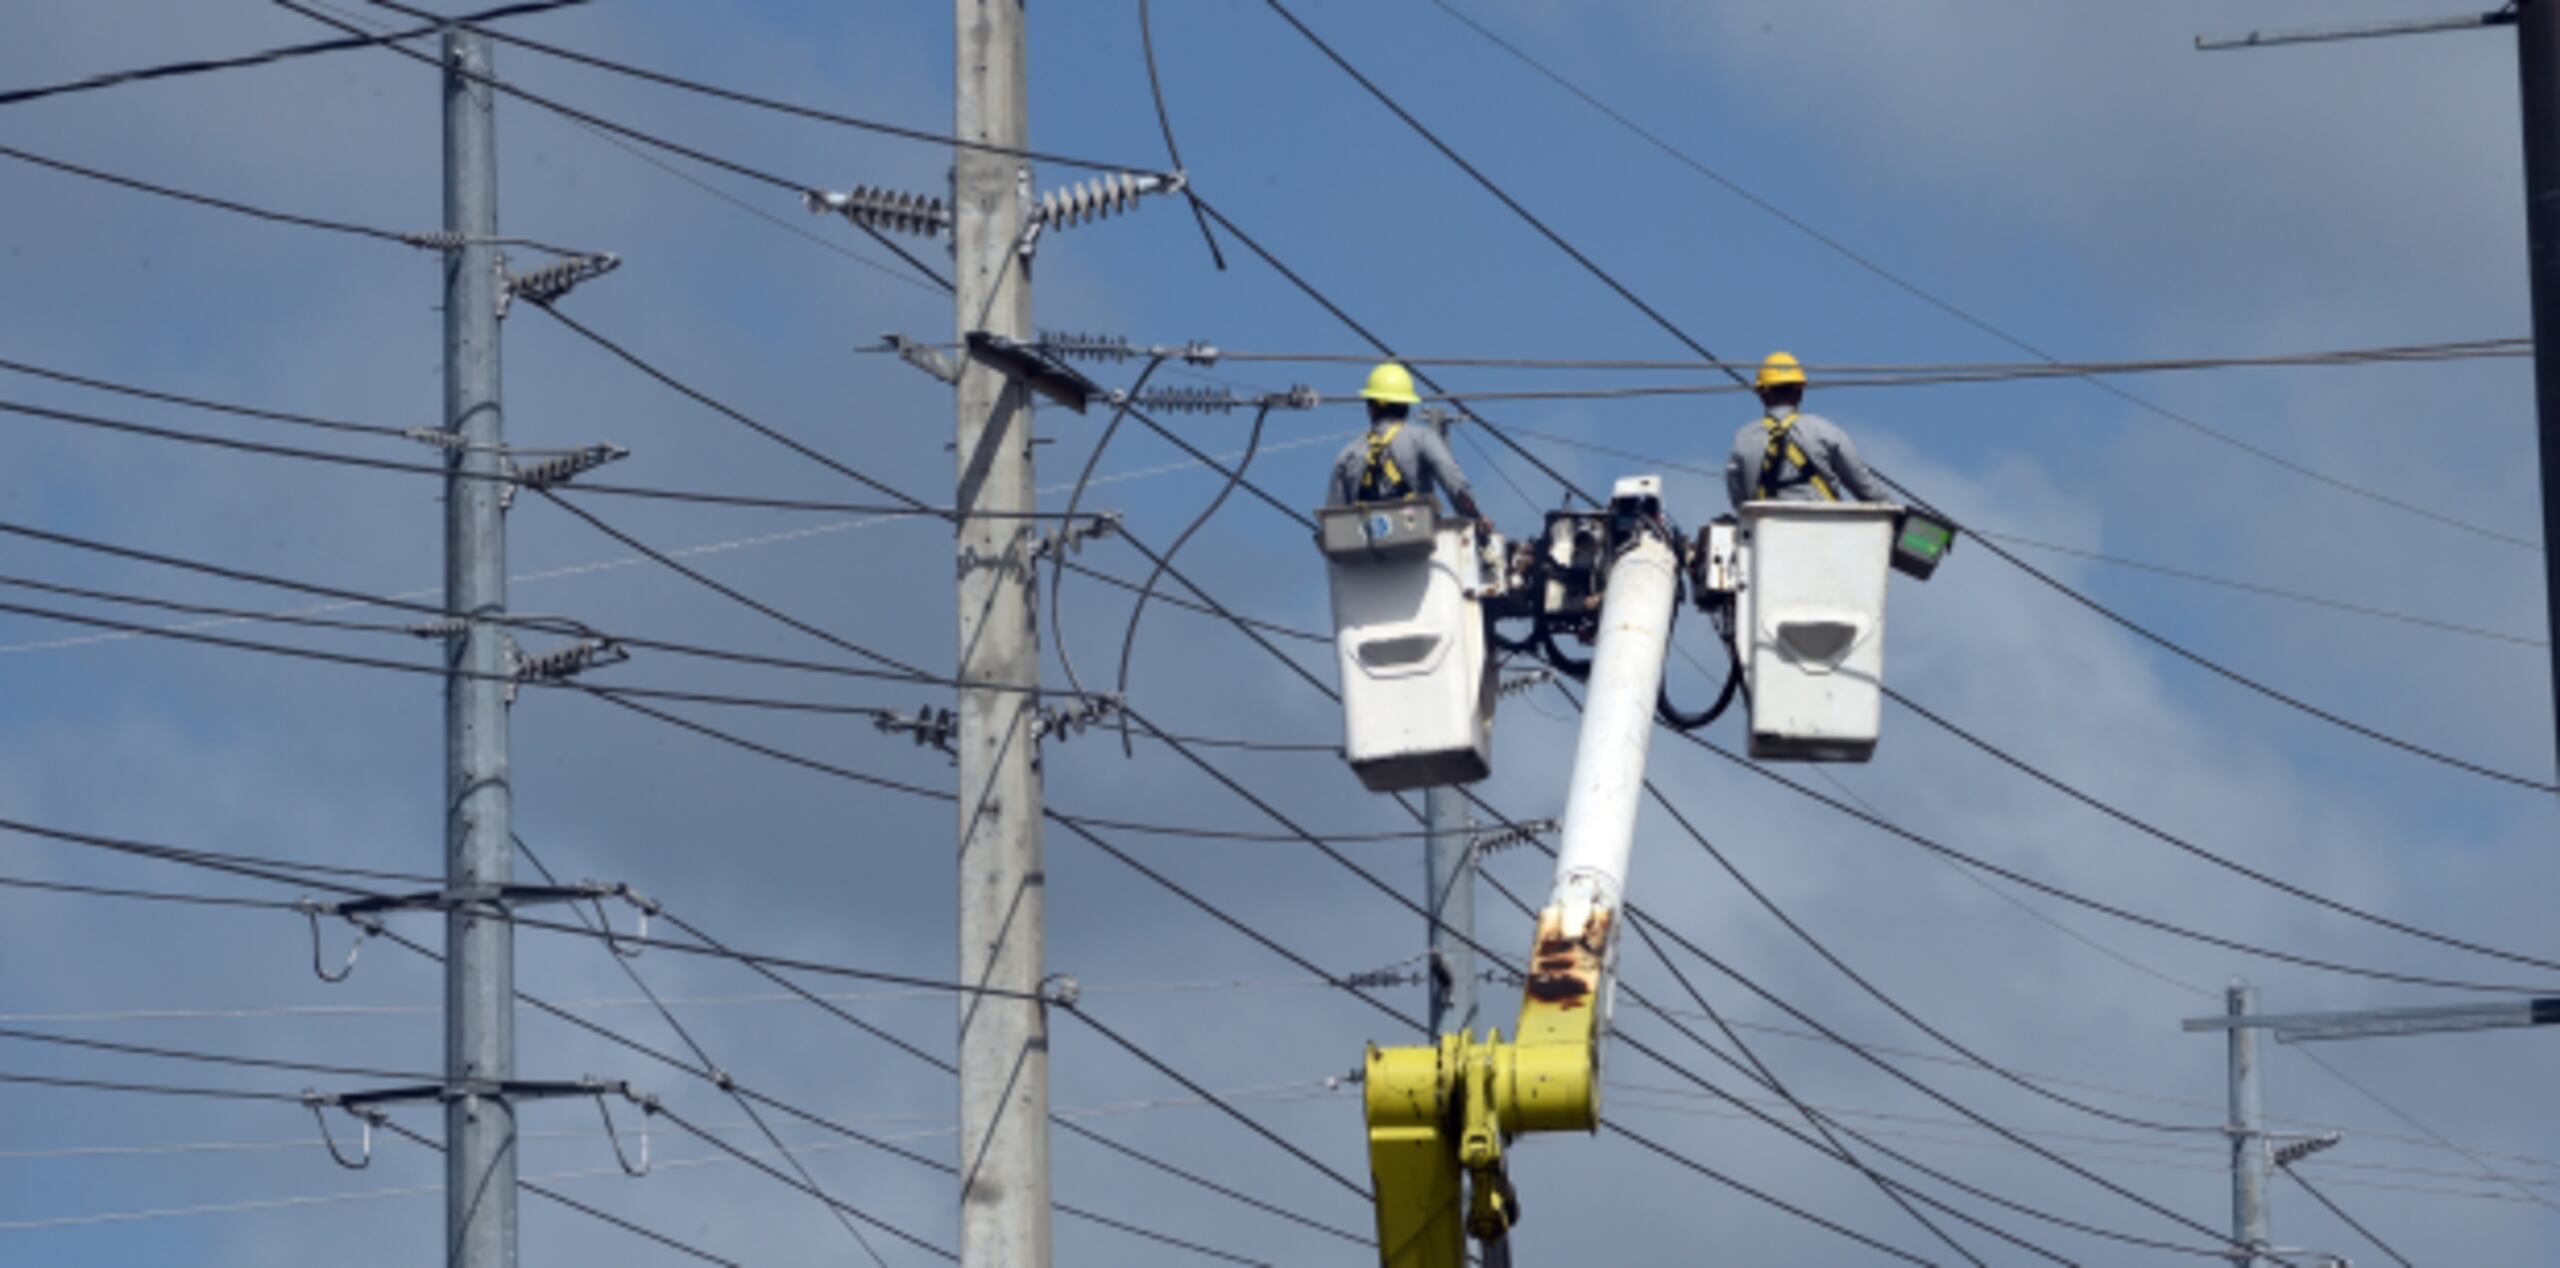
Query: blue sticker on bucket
x,y
1380,526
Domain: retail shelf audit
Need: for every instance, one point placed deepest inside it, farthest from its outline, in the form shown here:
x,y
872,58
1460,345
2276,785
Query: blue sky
x,y
2075,175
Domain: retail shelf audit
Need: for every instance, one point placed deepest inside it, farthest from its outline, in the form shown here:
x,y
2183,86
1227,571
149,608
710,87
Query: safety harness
x,y
1782,445
1382,480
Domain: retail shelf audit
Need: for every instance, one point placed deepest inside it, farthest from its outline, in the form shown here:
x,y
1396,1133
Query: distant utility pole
x,y
2537,24
2247,1128
2538,76
1004,1040
479,974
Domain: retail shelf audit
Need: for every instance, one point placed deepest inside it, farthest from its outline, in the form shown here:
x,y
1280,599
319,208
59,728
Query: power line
x,y
381,464
199,66
1856,373
2190,848
770,103
593,121
2252,587
444,671
2351,1221
2228,674
701,1055
429,239
2097,905
1978,323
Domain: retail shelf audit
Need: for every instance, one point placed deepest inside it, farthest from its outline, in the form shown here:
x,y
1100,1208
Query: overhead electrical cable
x,y
2185,846
2235,677
2103,908
382,464
2351,1221
592,61
685,1035
199,66
796,188
1967,317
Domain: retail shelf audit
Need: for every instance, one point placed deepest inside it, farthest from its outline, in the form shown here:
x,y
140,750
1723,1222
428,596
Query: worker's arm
x,y
1840,454
1441,467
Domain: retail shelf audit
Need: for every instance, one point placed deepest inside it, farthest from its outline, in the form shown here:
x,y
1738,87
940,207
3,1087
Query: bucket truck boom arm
x,y
1440,1116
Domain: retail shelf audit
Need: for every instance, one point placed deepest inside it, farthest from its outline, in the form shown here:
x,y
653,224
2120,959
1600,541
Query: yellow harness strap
x,y
1782,444
1381,479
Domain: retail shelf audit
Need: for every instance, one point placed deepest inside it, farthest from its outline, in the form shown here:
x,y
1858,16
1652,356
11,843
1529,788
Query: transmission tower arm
x,y
1440,1116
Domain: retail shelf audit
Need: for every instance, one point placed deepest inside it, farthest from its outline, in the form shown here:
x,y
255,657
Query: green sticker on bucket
x,y
1921,537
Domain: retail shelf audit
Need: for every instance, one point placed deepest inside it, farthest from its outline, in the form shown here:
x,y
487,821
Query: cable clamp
x,y
646,906
648,1110
547,284
1061,989
1071,721
932,727
371,1118
885,209
1071,538
366,926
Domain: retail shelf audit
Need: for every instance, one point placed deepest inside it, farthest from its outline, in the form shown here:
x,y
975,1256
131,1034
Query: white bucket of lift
x,y
1409,638
1809,624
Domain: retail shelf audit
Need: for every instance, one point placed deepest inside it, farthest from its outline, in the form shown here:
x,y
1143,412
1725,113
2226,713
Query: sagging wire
x,y
1164,120
1058,562
1138,609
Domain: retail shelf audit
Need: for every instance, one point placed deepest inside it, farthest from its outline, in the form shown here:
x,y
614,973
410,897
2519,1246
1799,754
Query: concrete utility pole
x,y
2538,76
2247,1128
1449,869
479,974
1004,1042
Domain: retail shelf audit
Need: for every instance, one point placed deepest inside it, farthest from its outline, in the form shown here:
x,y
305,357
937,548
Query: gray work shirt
x,y
1824,443
1418,452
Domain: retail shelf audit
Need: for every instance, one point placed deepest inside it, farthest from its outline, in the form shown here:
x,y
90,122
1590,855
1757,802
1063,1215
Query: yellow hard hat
x,y
1779,370
1391,384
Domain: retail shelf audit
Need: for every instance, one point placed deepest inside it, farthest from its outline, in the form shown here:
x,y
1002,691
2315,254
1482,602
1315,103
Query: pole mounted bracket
x,y
931,726
1029,364
922,356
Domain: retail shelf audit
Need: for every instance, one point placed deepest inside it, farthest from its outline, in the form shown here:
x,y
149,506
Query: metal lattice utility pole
x,y
1449,868
1004,1042
2538,76
479,975
2247,1128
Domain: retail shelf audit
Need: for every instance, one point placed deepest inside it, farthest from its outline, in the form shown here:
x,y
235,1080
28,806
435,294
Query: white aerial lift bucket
x,y
1809,625
1409,639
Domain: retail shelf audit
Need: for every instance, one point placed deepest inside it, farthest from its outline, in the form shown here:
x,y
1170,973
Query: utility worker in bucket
x,y
1792,456
1396,459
